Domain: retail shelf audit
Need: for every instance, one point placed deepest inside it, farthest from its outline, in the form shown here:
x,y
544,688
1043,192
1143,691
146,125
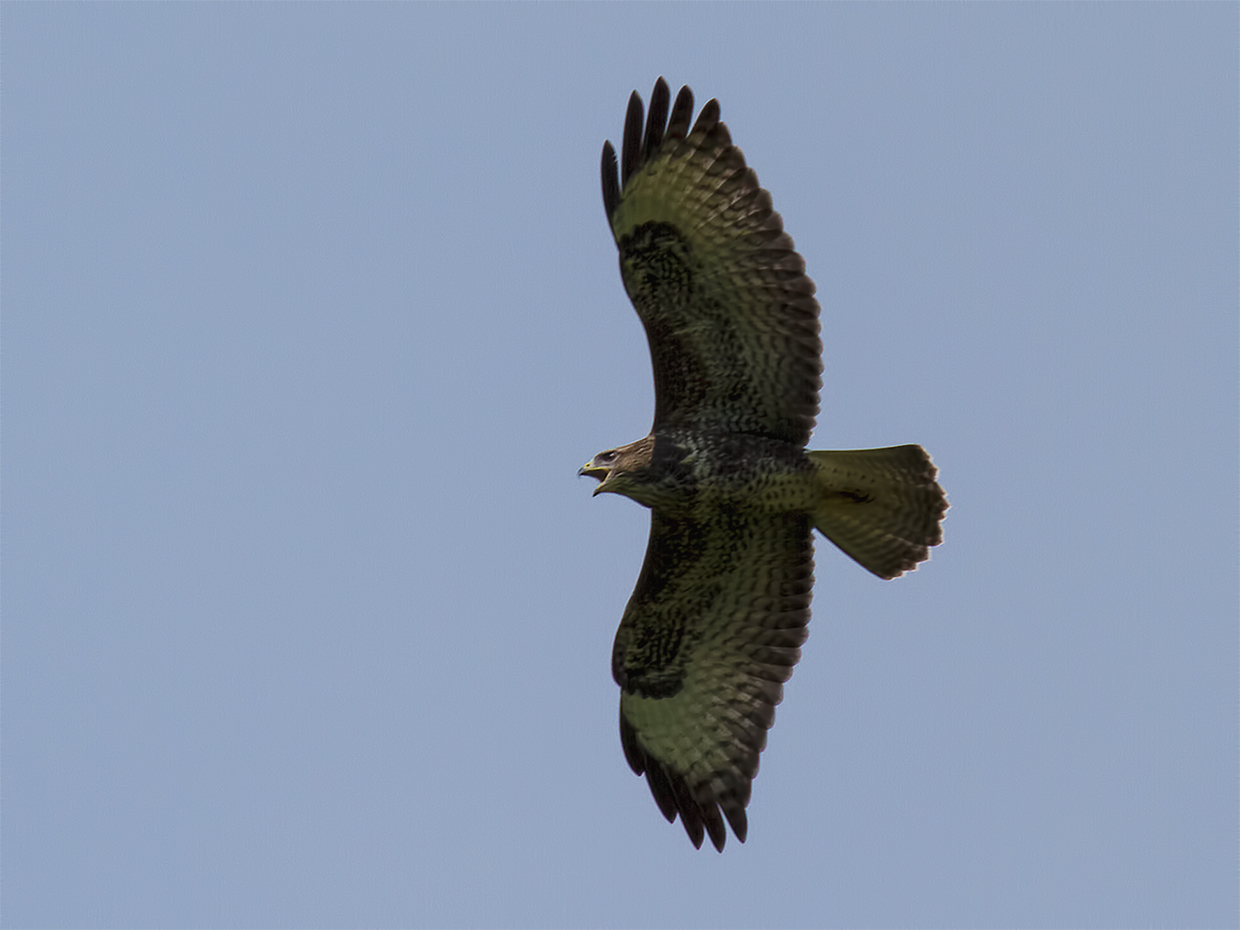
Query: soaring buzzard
x,y
719,613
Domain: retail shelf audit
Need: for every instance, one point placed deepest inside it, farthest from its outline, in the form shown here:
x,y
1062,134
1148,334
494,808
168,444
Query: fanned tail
x,y
882,507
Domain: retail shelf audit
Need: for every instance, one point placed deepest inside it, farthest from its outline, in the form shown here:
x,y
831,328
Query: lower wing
x,y
713,629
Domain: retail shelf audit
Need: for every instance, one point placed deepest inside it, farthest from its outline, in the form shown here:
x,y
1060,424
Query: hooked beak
x,y
595,471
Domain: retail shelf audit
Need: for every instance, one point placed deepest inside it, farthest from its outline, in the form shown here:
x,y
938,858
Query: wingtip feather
x,y
682,114
656,119
631,149
714,825
708,118
611,182
737,819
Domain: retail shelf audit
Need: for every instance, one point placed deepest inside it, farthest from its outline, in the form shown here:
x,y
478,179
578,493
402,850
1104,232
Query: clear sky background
x,y
310,315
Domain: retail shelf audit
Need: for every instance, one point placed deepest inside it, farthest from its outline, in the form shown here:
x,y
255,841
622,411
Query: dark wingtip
x,y
636,146
675,799
663,792
708,117
694,829
656,119
682,113
714,825
611,182
737,820
631,147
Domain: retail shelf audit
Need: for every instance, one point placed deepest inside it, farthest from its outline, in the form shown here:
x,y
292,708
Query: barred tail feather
x,y
881,506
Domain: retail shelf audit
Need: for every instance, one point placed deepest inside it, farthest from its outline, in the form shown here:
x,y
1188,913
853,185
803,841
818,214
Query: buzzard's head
x,y
615,468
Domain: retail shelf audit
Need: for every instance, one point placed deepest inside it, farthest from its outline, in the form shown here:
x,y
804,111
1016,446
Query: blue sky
x,y
310,315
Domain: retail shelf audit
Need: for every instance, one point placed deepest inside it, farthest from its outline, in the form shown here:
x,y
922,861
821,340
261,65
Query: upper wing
x,y
728,309
711,632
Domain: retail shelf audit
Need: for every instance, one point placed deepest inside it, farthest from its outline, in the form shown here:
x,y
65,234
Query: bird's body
x,y
720,610
686,465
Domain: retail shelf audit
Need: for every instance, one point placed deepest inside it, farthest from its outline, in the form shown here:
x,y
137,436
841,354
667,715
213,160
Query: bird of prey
x,y
720,610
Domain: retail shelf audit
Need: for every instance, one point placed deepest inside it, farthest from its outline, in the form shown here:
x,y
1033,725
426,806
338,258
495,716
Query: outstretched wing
x,y
710,634
729,312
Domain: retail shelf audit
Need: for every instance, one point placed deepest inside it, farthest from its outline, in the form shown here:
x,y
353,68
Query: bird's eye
x,y
606,458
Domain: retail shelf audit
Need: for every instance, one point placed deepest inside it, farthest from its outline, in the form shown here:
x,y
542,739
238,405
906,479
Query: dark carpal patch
x,y
656,262
648,655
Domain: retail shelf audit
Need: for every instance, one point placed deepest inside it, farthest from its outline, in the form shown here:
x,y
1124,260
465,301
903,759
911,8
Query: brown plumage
x,y
715,624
